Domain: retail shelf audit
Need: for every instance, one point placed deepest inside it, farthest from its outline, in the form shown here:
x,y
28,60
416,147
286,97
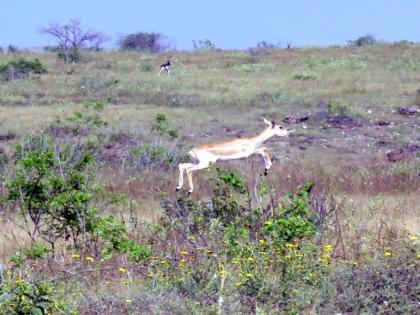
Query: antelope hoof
x,y
189,192
266,172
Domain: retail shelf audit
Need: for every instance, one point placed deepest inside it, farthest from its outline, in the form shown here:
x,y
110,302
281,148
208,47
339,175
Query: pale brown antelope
x,y
165,66
205,154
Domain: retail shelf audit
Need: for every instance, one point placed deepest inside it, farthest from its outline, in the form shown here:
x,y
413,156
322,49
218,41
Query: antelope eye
x,y
280,127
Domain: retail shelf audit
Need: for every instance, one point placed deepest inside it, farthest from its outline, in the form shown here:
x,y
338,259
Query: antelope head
x,y
277,129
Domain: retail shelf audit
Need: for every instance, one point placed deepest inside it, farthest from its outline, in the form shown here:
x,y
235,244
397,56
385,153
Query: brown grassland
x,y
352,139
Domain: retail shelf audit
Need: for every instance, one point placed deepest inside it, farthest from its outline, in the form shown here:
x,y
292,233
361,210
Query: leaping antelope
x,y
165,66
205,154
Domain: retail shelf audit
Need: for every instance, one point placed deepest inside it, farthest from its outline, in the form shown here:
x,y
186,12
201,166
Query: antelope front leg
x,y
193,168
267,160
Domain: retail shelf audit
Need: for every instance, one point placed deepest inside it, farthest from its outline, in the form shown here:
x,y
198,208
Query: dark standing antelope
x,y
165,66
205,154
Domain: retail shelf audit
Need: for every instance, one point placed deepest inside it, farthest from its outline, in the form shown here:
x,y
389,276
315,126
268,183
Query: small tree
x,y
71,38
146,42
204,44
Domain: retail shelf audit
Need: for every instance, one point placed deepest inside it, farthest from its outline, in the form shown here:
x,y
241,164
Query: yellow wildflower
x,y
249,275
312,274
239,283
164,262
388,254
183,252
290,245
223,272
19,281
90,259
213,255
121,270
75,256
414,238
250,259
128,301
262,242
191,238
328,248
268,223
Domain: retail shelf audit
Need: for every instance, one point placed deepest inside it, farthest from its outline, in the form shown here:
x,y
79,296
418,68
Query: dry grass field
x,y
355,111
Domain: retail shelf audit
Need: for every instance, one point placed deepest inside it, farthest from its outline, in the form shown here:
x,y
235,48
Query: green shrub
x,y
30,297
362,41
306,75
53,192
112,232
21,69
338,107
37,250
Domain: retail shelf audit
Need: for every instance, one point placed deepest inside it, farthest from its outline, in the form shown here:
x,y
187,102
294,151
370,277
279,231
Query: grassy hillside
x,y
90,221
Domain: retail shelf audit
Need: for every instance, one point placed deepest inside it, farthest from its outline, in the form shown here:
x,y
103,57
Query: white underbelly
x,y
238,155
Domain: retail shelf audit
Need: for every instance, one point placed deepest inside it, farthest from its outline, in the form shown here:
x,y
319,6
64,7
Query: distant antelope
x,y
205,154
165,66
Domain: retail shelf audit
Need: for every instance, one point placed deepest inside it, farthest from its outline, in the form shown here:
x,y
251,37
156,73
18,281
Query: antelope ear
x,y
267,122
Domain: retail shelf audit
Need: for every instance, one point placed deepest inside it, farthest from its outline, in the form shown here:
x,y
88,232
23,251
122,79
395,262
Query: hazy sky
x,y
227,23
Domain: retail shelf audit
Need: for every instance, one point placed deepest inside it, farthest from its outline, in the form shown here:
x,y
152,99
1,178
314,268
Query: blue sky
x,y
229,24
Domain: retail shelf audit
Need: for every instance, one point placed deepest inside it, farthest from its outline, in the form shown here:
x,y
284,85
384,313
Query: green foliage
x,y
305,75
17,260
231,178
112,231
27,297
161,126
37,250
90,117
53,192
21,69
338,108
294,222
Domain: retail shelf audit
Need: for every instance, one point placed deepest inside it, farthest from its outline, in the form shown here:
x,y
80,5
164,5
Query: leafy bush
x,y
53,192
145,42
362,41
112,232
21,69
338,107
204,45
161,126
37,250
